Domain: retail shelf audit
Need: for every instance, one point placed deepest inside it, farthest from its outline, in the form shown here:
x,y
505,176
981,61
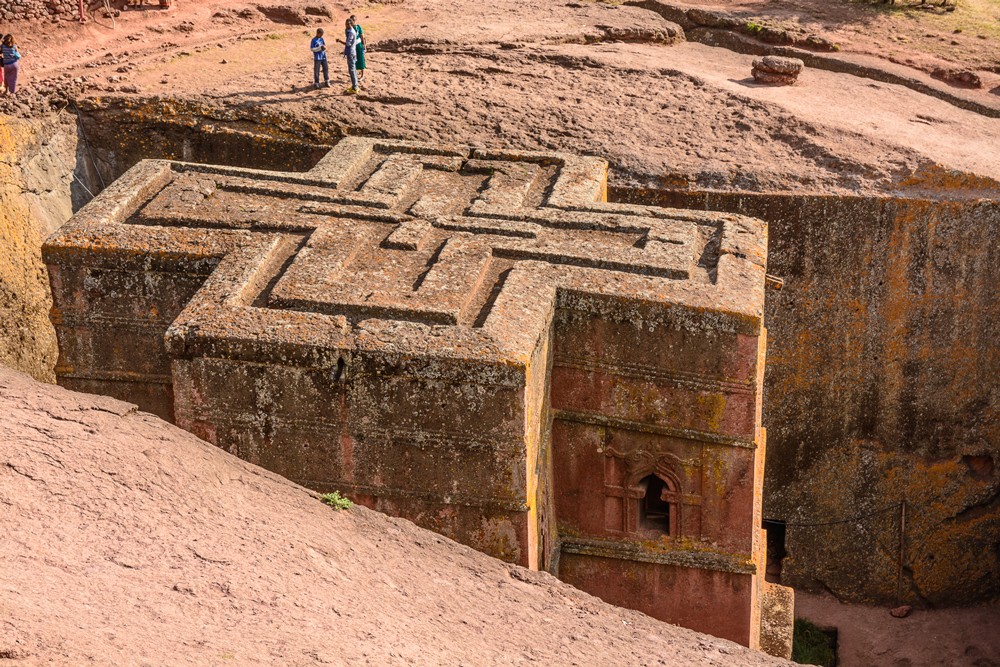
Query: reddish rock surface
x,y
664,115
870,637
129,541
532,75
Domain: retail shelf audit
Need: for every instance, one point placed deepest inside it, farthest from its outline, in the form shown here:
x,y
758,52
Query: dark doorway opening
x,y
775,549
654,511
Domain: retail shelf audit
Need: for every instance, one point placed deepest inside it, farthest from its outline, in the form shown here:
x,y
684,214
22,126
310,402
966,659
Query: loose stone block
x,y
474,340
777,70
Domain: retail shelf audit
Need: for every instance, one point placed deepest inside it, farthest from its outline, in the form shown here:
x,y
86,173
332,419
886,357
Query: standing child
x,y
11,63
360,48
318,47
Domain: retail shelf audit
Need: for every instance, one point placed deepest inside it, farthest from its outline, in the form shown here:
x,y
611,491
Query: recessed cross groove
x,y
382,245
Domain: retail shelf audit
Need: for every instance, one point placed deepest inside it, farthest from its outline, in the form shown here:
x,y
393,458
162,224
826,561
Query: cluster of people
x,y
10,61
354,52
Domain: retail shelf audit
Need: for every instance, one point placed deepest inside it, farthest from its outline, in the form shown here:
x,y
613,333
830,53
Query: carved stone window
x,y
643,496
657,500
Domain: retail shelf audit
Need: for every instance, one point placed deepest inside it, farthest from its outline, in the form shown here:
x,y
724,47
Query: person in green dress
x,y
360,49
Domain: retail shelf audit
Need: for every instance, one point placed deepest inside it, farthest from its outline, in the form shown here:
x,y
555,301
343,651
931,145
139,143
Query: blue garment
x,y
352,71
321,65
318,47
9,54
350,42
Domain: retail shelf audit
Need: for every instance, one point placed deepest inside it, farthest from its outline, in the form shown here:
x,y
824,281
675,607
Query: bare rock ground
x,y
128,541
920,34
870,637
581,76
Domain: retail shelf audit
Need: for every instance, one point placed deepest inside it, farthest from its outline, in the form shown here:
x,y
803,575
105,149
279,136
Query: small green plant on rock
x,y
336,501
753,27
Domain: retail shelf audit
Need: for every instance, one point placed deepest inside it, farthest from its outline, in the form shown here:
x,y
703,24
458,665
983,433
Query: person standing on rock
x,y
360,48
11,63
318,47
351,53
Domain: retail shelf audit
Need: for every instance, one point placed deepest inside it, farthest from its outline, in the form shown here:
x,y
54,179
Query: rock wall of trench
x,y
120,133
51,166
881,389
882,359
37,159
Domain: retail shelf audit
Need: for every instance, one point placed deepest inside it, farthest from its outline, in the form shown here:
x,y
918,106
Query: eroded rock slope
x,y
129,541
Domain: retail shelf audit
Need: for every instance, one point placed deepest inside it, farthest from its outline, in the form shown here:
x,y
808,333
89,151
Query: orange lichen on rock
x,y
882,363
27,342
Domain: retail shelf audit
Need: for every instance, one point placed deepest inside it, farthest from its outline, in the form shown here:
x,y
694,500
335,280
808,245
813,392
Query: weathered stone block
x,y
777,620
474,340
777,69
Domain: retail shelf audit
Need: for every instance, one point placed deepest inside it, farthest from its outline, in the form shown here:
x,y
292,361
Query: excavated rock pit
x,y
881,371
879,361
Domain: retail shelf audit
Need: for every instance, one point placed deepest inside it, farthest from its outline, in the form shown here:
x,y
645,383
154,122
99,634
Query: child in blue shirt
x,y
318,47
